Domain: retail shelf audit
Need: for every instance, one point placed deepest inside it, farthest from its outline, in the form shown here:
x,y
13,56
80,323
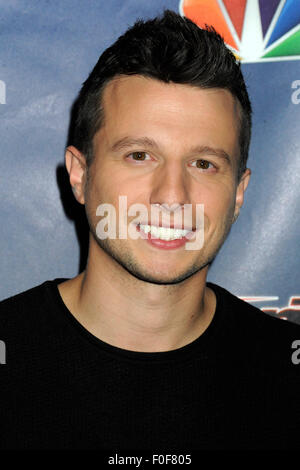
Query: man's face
x,y
186,133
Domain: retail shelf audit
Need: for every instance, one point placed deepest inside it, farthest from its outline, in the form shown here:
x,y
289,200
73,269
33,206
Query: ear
x,y
76,167
242,186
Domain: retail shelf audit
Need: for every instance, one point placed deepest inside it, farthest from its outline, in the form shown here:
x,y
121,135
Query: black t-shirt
x,y
234,387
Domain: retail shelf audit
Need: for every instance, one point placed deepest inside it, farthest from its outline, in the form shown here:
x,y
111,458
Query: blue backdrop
x,y
47,51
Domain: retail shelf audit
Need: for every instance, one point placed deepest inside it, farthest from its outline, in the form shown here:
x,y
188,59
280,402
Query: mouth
x,y
165,233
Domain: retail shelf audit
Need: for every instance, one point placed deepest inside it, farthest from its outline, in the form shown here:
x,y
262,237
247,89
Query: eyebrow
x,y
126,142
129,142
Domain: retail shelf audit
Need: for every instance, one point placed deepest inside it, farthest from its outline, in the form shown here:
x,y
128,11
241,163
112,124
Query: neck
x,y
136,315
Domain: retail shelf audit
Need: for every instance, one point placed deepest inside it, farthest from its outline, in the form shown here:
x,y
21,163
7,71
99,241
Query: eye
x,y
138,156
203,164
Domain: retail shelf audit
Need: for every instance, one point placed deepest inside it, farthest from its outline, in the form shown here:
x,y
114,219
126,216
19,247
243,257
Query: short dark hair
x,y
170,48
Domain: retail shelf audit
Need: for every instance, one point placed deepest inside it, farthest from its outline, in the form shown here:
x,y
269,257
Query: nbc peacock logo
x,y
255,30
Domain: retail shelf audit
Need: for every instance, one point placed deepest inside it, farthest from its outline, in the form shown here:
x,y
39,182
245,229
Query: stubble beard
x,y
125,258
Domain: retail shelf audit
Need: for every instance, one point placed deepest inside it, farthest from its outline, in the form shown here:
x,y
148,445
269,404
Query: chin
x,y
155,277
152,273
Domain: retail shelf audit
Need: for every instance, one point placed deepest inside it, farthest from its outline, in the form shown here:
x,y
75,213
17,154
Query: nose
x,y
169,188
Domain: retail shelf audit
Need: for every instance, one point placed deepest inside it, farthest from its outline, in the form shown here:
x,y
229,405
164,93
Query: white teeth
x,y
164,233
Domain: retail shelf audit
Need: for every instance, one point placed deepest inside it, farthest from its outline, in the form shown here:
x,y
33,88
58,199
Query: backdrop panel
x,y
47,51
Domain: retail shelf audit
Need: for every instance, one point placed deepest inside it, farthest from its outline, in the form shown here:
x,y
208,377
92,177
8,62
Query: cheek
x,y
219,204
96,193
100,188
118,195
107,183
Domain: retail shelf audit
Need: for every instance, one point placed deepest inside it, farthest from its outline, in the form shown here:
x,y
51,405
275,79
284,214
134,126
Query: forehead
x,y
169,112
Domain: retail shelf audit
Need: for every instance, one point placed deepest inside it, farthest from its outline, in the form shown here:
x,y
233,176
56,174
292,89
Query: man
x,y
139,351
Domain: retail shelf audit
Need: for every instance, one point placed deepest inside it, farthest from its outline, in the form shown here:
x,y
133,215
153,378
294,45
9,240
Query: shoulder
x,y
245,313
30,329
26,305
19,301
255,333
